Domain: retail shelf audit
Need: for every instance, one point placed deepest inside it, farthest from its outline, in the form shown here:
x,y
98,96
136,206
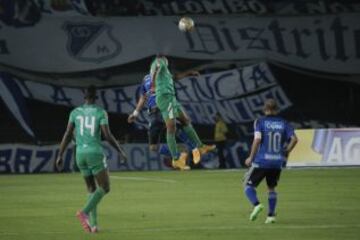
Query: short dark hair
x,y
90,92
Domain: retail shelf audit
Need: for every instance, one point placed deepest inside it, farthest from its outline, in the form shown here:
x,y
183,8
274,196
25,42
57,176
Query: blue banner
x,y
238,95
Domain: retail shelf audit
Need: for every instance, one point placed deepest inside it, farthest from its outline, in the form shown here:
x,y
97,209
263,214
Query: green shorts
x,y
91,163
169,107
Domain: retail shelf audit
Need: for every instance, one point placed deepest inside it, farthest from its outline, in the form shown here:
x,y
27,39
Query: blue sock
x,y
164,150
251,195
272,203
183,137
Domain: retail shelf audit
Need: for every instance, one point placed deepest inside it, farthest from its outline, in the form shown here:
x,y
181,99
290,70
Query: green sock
x,y
93,217
94,200
93,214
191,133
171,142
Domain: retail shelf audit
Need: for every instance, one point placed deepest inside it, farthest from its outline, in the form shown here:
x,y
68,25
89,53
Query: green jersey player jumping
x,y
89,121
171,110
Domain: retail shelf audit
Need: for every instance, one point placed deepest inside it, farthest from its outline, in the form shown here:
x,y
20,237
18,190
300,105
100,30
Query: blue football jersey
x,y
275,133
147,90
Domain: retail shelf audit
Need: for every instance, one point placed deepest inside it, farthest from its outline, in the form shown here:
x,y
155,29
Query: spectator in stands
x,y
220,138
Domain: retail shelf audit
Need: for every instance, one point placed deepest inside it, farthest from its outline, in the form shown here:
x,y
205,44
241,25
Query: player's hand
x,y
284,164
286,154
248,162
59,163
131,118
286,157
122,158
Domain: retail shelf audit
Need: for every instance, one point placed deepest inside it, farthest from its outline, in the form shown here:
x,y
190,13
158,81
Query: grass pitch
x,y
313,204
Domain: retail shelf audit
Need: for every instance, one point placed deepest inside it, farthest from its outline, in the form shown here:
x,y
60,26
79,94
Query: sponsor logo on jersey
x,y
274,125
272,156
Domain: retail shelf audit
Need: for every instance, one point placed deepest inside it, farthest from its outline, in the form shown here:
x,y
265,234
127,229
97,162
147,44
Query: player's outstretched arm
x,y
185,74
140,104
64,143
111,139
155,71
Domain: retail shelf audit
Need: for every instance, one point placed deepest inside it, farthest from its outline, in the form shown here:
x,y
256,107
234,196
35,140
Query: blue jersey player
x,y
156,122
274,139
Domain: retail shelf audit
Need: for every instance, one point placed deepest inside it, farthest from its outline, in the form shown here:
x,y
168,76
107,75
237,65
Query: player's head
x,y
270,107
90,93
162,56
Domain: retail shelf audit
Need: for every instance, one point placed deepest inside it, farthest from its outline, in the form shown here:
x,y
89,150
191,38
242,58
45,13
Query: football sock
x,y
171,142
94,200
251,195
191,133
272,203
92,214
164,150
183,137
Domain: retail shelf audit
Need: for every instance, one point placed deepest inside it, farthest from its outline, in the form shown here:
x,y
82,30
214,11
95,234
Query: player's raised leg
x,y
191,133
191,145
179,160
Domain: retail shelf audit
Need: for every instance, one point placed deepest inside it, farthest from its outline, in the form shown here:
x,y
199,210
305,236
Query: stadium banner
x,y
260,7
320,147
238,95
327,147
21,158
62,7
189,7
325,43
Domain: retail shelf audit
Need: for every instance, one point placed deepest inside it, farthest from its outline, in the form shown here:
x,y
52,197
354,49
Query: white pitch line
x,y
145,179
221,228
228,228
9,233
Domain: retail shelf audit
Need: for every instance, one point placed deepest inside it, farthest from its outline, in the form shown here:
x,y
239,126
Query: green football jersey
x,y
87,120
164,83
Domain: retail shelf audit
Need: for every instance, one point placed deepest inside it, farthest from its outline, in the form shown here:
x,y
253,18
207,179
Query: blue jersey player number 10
x,y
273,133
274,139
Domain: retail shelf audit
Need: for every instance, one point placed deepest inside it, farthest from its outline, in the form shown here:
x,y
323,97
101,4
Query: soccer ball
x,y
186,24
